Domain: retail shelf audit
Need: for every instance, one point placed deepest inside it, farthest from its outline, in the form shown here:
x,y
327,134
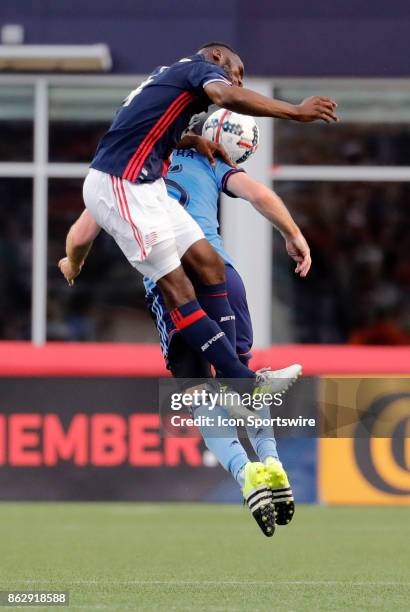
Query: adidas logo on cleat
x,y
262,508
284,505
282,495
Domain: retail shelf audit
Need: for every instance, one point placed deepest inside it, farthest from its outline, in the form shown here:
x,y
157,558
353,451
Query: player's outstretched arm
x,y
271,206
248,102
78,244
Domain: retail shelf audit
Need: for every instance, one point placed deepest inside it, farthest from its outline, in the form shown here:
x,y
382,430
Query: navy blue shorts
x,y
239,305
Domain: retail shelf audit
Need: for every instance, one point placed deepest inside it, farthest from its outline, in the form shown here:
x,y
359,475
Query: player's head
x,y
223,55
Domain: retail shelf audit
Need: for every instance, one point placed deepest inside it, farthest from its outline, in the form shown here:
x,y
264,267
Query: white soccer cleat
x,y
277,381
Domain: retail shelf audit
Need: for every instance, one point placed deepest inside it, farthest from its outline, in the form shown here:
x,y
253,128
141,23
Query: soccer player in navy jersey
x,y
197,185
126,195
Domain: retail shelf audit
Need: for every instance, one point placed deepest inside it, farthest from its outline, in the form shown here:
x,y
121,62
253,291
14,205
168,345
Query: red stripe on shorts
x,y
124,209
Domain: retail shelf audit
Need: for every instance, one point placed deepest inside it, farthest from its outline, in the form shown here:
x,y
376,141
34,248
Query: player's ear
x,y
217,55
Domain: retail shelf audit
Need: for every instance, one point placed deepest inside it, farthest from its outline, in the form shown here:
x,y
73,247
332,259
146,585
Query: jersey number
x,y
140,87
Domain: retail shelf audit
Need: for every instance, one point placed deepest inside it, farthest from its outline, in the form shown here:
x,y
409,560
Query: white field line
x,y
177,608
211,583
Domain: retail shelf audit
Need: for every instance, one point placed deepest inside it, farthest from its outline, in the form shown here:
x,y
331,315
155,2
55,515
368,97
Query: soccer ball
x,y
239,134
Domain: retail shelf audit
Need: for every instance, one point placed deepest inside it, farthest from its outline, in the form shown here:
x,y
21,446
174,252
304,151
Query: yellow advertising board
x,y
364,451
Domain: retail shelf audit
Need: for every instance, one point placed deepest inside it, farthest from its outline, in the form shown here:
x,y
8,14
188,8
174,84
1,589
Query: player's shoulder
x,y
196,61
221,167
219,172
187,62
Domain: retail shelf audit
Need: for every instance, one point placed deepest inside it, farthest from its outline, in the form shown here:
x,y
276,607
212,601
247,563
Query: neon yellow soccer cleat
x,y
258,496
278,482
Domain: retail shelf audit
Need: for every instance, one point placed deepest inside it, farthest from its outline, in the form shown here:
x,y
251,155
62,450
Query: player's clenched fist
x,y
317,108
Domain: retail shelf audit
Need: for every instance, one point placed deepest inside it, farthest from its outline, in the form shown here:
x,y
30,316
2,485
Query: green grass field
x,y
207,557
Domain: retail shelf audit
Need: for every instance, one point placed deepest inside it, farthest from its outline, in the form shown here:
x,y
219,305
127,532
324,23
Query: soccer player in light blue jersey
x,y
124,193
197,185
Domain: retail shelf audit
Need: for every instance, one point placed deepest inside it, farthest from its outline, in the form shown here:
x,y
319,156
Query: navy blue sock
x,y
205,336
214,300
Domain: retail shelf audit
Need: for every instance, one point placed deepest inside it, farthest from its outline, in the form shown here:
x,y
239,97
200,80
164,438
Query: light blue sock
x,y
223,442
262,438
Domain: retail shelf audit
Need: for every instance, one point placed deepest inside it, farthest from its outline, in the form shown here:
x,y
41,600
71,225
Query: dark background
x,y
300,38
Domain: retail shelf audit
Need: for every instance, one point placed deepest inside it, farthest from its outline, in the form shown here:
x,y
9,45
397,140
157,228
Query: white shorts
x,y
152,229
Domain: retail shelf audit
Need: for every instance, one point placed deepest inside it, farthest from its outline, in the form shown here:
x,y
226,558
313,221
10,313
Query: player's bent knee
x,y
176,288
202,263
213,271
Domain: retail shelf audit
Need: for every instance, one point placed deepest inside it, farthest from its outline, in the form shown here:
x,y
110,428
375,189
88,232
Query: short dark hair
x,y
217,44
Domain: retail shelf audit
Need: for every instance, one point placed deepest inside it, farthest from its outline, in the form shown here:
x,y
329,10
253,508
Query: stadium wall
x,y
82,422
357,39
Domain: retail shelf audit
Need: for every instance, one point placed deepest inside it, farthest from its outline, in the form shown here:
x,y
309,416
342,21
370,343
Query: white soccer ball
x,y
239,134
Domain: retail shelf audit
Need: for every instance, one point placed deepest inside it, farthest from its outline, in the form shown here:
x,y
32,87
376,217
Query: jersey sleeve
x,y
222,174
203,73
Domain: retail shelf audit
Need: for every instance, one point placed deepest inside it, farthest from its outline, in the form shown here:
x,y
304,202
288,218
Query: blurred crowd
x,y
358,290
107,300
15,258
350,144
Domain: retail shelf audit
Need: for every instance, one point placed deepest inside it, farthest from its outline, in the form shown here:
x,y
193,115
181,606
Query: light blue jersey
x,y
197,185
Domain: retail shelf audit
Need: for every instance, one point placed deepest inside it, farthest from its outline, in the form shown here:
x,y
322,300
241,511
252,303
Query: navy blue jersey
x,y
153,118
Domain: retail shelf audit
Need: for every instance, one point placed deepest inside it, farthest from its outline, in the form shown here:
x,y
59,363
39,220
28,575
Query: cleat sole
x,y
282,495
284,513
